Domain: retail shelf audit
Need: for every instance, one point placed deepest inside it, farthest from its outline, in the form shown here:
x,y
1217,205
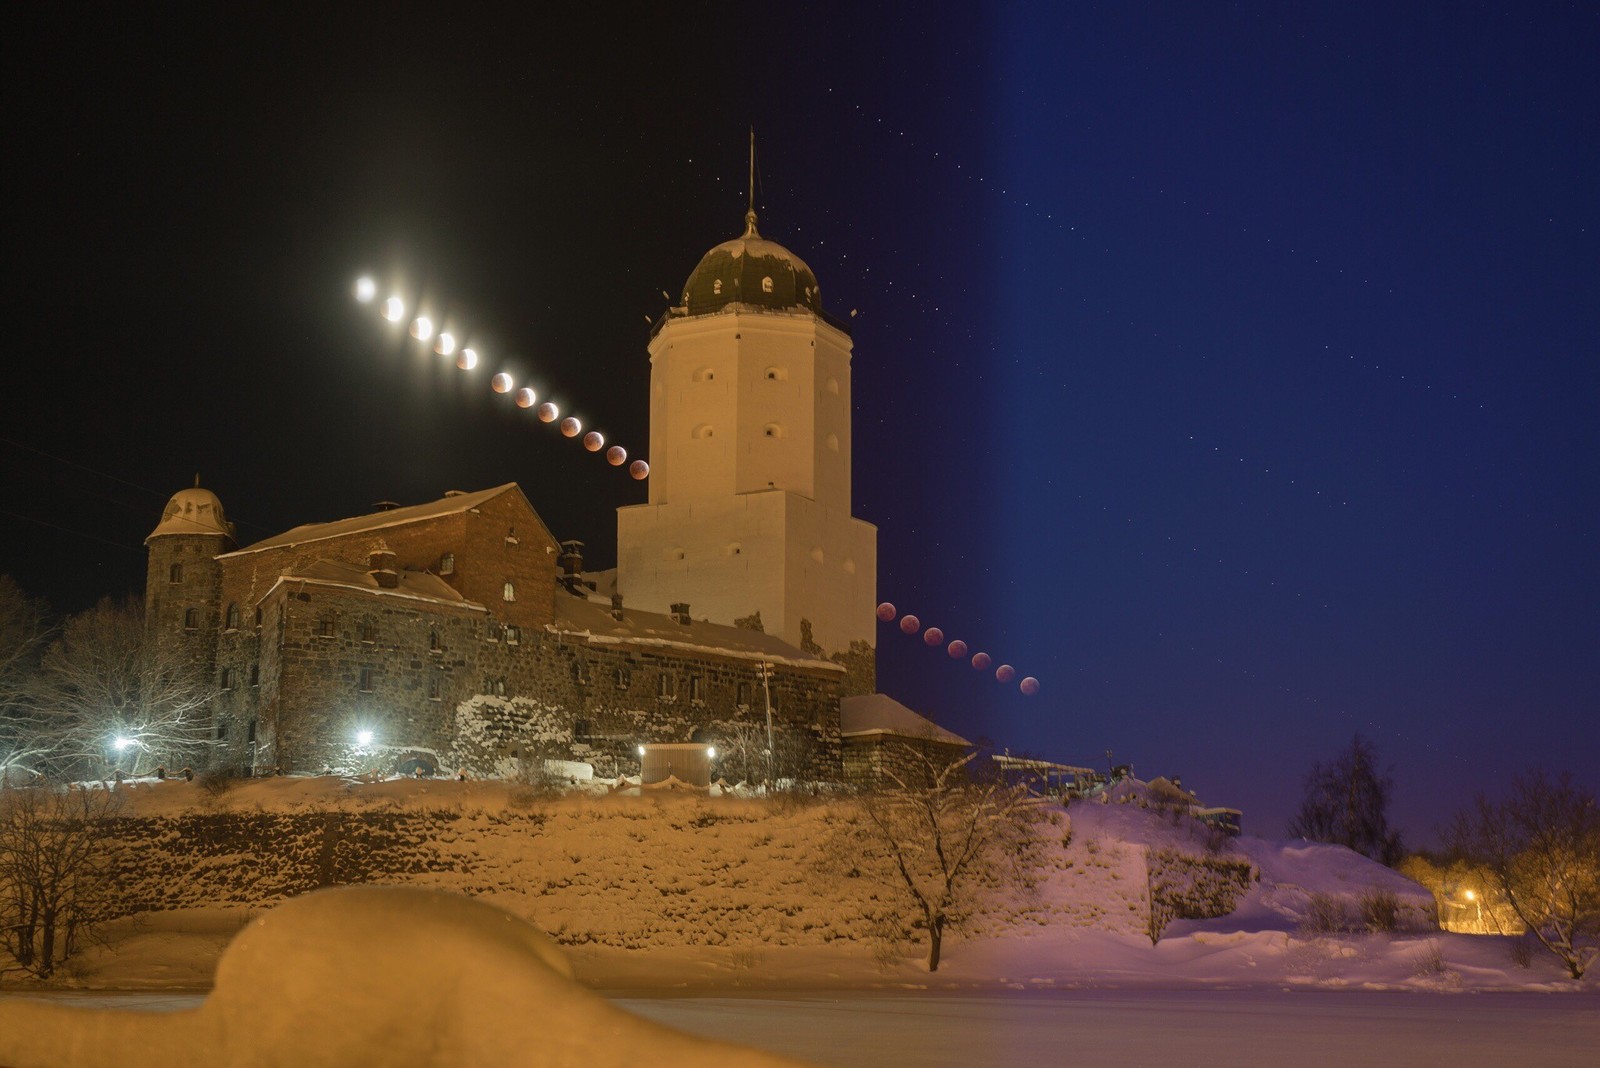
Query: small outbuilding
x,y
879,734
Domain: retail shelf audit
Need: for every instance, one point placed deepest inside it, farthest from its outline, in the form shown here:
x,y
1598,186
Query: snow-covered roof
x,y
412,585
192,511
579,616
453,504
878,713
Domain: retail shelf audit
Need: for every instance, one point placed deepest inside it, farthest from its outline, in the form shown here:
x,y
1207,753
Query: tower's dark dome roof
x,y
751,270
193,511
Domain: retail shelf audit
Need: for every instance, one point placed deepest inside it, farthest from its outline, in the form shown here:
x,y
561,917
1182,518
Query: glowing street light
x,y
123,744
366,289
363,738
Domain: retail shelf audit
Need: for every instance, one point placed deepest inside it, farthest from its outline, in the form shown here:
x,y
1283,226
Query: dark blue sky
x,y
1232,369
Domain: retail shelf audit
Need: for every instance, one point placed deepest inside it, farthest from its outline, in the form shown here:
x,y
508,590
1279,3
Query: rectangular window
x,y
743,697
227,678
250,734
447,564
366,680
434,687
255,674
325,627
222,730
666,685
697,688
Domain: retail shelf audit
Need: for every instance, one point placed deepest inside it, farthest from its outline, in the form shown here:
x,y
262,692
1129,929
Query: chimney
x,y
680,614
571,563
380,565
616,607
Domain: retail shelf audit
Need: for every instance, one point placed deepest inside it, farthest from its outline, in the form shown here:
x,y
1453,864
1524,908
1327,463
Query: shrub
x,y
1325,914
217,782
1522,951
1429,962
1380,910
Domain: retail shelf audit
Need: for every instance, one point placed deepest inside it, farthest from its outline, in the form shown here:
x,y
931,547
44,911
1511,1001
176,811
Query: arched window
x,y
369,631
433,639
175,574
191,619
509,593
766,285
624,678
716,287
233,616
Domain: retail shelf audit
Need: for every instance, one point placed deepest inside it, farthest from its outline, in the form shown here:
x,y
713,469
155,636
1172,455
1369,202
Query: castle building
x,y
458,633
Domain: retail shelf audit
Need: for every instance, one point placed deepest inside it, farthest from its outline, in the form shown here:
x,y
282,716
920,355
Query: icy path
x,y
1151,1027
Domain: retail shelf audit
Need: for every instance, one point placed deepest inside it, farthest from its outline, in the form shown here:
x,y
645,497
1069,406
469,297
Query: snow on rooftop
x,y
395,517
878,713
577,615
412,585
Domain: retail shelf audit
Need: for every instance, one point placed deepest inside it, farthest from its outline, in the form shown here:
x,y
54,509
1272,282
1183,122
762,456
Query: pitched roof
x,y
450,505
878,713
577,615
413,585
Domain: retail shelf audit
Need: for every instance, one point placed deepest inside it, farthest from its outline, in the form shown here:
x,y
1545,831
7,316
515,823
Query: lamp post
x,y
1472,896
766,691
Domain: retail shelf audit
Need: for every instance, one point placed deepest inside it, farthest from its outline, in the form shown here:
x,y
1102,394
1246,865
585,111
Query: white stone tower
x,y
749,506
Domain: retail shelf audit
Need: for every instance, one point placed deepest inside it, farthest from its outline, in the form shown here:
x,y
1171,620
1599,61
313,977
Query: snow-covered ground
x,y
689,893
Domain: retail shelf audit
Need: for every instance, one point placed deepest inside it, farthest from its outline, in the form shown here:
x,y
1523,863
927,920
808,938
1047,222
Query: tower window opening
x,y
365,683
833,442
777,374
191,619
226,682
766,284
508,592
704,430
513,635
447,564
716,287
774,430
325,627
175,574
233,616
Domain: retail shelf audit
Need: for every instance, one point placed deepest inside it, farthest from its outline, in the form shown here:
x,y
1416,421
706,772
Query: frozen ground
x,y
1195,1028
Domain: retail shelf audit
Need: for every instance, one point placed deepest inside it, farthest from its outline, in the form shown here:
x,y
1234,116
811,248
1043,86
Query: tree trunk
x,y
45,966
935,941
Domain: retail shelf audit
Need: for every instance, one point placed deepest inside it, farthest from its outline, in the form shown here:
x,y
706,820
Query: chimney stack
x,y
380,565
616,607
680,614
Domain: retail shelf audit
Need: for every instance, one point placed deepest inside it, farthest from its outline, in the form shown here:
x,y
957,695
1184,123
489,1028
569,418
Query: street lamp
x,y
363,738
766,691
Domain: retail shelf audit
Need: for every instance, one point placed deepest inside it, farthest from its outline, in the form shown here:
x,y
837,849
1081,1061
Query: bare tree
x,y
1347,803
24,632
1540,845
933,829
107,699
54,878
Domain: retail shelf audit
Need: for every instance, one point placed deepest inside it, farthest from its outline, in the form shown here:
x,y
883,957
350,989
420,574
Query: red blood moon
x,y
525,397
957,649
1005,672
639,470
1030,686
886,612
934,636
910,624
594,441
980,661
570,427
501,383
616,456
548,413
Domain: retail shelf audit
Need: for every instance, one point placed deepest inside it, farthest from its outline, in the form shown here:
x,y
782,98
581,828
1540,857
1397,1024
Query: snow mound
x,y
365,975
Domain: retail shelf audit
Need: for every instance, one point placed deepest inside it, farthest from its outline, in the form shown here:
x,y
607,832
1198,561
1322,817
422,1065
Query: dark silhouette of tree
x,y
1347,803
1540,845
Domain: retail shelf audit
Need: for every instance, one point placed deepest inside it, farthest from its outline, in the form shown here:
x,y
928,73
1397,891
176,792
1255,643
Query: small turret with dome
x,y
193,511
183,582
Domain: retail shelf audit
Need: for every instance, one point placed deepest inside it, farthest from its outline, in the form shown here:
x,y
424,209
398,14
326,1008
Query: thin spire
x,y
197,480
750,204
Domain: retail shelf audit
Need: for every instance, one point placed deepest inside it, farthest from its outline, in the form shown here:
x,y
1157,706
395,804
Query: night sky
x,y
1231,368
